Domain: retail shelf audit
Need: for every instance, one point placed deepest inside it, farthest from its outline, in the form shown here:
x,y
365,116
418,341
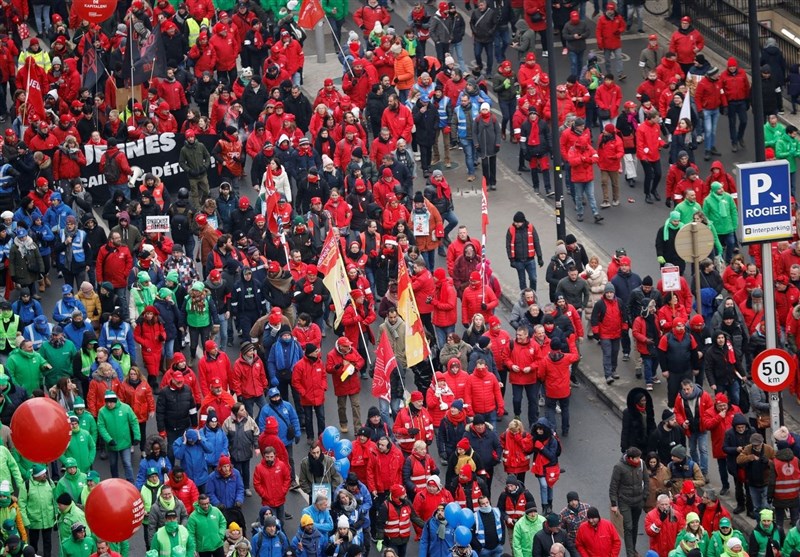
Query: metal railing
x,y
725,26
789,5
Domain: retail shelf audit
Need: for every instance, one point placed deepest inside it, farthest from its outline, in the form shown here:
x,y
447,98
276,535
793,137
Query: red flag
x,y
484,209
311,13
385,364
33,79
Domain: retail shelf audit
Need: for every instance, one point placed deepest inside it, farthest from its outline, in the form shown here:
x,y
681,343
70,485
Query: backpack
x,y
112,171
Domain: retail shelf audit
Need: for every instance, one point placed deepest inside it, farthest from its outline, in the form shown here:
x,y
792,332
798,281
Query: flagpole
x,y
130,53
364,340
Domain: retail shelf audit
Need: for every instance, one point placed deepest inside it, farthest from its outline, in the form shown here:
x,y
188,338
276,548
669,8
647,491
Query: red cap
x,y
274,319
177,376
244,203
652,37
609,128
210,345
530,57
356,293
463,444
625,260
474,276
61,39
260,218
350,129
697,321
215,275
443,7
190,133
201,219
41,181
10,133
439,273
274,267
387,173
315,200
686,19
732,63
721,397
611,6
216,382
311,269
344,342
328,82
416,396
750,282
493,321
782,279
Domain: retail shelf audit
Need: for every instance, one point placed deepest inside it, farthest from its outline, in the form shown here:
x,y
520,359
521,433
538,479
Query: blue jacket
x,y
76,335
364,500
218,442
43,237
266,546
225,491
323,521
115,365
282,355
159,464
55,218
192,457
28,312
62,313
284,414
170,318
313,543
20,216
123,334
430,545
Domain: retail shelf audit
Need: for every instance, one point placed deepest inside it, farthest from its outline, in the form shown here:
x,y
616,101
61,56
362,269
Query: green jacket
x,y
75,548
60,359
38,504
524,531
71,484
721,210
195,160
702,544
66,519
227,5
341,8
687,210
82,448
771,134
118,424
791,543
88,423
788,148
143,296
26,369
206,528
716,545
9,470
163,542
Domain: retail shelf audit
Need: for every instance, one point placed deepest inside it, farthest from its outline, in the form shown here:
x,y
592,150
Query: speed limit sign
x,y
773,370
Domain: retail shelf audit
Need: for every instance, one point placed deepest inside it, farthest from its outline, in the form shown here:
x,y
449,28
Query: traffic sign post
x,y
773,370
693,242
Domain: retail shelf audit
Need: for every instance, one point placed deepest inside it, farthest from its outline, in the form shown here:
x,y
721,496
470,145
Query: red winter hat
x,y
697,322
387,173
750,282
686,19
609,128
416,396
721,397
215,275
474,276
397,491
688,487
439,273
260,218
219,28
358,293
210,345
625,260
463,444
328,82
274,267
466,471
190,133
244,203
201,219
530,57
732,63
311,269
442,7
493,321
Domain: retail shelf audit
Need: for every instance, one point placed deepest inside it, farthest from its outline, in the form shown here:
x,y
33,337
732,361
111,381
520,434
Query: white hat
x,y
352,37
435,479
6,215
485,106
448,60
355,111
343,522
733,542
378,27
247,72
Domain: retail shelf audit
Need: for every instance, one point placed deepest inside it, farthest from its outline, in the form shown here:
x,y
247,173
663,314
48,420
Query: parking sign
x,y
765,213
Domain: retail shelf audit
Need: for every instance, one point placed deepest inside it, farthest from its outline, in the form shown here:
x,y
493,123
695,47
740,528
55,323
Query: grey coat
x,y
629,485
570,30
486,136
157,516
440,29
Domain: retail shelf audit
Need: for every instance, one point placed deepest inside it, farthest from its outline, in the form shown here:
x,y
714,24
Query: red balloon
x,y
114,510
94,11
40,429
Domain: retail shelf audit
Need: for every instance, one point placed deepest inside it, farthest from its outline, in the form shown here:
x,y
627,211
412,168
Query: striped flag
x,y
331,267
484,225
416,343
385,365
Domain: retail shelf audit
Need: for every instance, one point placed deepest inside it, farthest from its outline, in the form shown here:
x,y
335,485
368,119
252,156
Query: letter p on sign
x,y
759,183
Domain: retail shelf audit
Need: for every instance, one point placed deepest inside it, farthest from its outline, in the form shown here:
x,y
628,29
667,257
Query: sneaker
x,y
741,144
248,493
550,193
649,387
615,375
343,428
597,218
417,157
605,205
288,516
564,52
471,178
632,182
545,54
622,77
558,408
638,375
655,195
734,147
615,203
580,218
656,381
724,491
609,380
626,357
699,138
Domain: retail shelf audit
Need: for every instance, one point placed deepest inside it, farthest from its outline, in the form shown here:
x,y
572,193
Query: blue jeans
x,y
223,332
568,182
507,109
737,113
250,404
610,348
550,412
502,38
613,66
581,189
402,95
649,368
635,12
457,50
490,417
710,119
698,448
532,394
452,221
113,461
759,497
478,49
525,267
370,273
699,129
386,412
545,491
469,155
731,391
729,241
496,552
442,332
430,258
576,58
42,13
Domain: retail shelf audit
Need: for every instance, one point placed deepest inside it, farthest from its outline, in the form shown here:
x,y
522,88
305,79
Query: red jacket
x,y
97,391
609,32
272,483
295,58
114,264
712,514
426,503
610,152
434,401
523,356
555,372
226,51
309,335
43,143
717,425
662,537
269,438
204,56
675,174
186,491
357,321
399,122
517,448
640,336
151,337
649,142
65,167
652,89
457,382
209,370
385,470
445,304
535,7
471,302
189,378
222,404
500,346
139,398
366,17
248,380
602,541
172,93
483,392
704,405
310,381
686,44
736,85
609,97
336,365
582,159
608,324
360,457
404,421
709,95
567,140
200,9
423,286
122,161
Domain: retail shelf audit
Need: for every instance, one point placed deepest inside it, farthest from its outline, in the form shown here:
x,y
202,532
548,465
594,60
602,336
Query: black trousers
x,y
489,169
47,540
652,176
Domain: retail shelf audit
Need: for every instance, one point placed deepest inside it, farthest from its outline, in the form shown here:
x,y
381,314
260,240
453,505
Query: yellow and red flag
x,y
416,343
331,266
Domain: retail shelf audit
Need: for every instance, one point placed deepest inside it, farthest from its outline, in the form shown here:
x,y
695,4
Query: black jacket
x,y
717,368
637,427
483,25
544,540
663,440
253,101
176,409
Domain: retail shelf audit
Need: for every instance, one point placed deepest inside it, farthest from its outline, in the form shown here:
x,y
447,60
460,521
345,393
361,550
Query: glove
x,y
541,263
447,130
506,83
413,430
668,203
484,307
297,440
162,434
661,260
373,253
317,299
112,444
379,545
308,288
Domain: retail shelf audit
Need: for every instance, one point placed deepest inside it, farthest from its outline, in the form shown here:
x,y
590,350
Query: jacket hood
x,y
739,419
719,165
544,423
634,395
785,454
271,426
88,336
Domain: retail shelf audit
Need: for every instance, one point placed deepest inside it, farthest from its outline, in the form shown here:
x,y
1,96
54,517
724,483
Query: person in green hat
x,y
694,528
121,357
81,446
9,469
682,549
10,514
143,294
526,528
37,503
92,479
173,536
73,481
14,546
201,316
721,210
26,367
206,526
60,353
716,545
68,514
150,491
764,534
78,544
118,427
85,419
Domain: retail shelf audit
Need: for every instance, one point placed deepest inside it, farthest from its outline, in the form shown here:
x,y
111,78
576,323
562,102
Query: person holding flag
x,y
343,364
357,317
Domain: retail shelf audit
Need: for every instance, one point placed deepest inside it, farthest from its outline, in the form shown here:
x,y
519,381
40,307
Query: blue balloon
x,y
467,518
463,535
343,448
343,466
452,513
329,437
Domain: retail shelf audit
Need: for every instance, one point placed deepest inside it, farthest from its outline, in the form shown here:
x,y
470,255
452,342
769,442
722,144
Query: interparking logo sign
x,y
765,212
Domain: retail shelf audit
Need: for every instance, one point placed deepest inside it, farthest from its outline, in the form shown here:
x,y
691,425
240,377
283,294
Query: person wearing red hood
x,y
189,378
223,41
183,488
204,55
328,95
444,301
344,365
269,438
477,299
165,121
271,480
150,334
467,488
213,365
719,174
582,157
394,519
687,501
718,419
218,400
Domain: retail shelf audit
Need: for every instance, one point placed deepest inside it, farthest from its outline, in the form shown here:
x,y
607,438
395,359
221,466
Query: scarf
x,y
441,529
198,302
395,329
166,505
674,215
459,418
486,116
25,245
315,466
